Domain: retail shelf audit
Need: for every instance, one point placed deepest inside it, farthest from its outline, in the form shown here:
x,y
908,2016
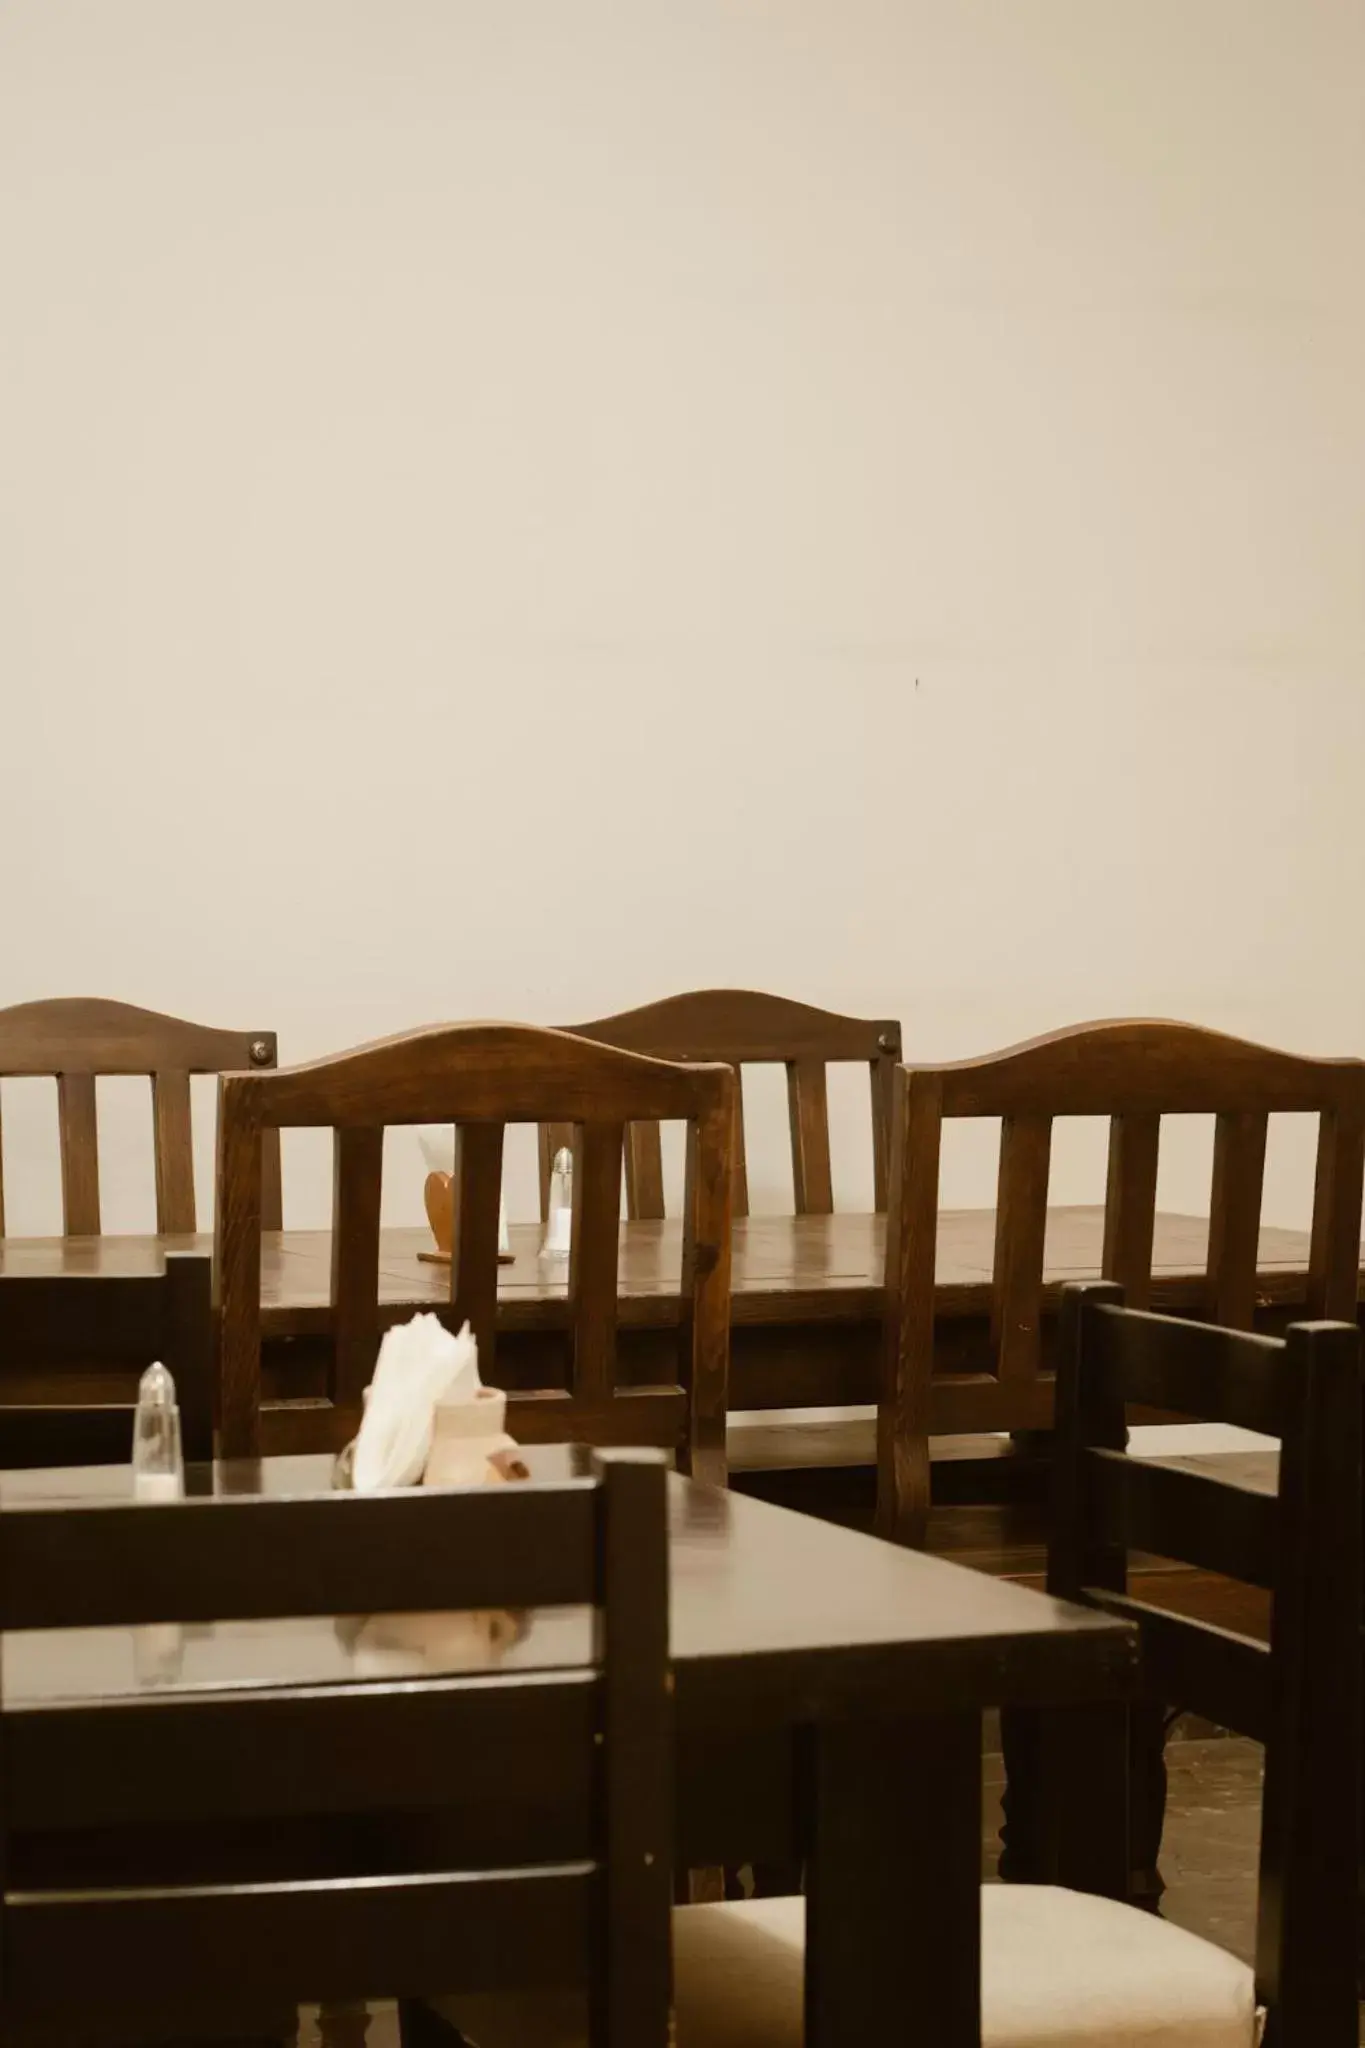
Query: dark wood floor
x,y
1209,1848
1208,1852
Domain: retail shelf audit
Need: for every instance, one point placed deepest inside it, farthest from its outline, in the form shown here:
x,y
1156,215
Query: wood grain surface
x,y
805,1332
785,1269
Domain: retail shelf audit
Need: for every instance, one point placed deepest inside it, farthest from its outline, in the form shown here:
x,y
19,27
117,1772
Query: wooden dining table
x,y
806,1300
829,1695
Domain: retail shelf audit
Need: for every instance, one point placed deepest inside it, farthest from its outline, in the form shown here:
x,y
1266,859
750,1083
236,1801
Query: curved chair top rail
x,y
744,1024
474,1073
92,1035
1128,1065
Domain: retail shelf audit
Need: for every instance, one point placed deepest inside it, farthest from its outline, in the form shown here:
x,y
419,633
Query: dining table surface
x,y
829,1690
806,1332
784,1268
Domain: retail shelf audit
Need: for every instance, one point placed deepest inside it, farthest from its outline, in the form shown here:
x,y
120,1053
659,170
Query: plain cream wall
x,y
513,507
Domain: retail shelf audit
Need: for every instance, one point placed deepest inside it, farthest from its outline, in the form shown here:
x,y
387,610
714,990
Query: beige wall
x,y
516,506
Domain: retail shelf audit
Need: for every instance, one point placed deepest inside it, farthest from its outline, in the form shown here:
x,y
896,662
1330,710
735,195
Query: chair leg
x,y
1148,1721
1023,1846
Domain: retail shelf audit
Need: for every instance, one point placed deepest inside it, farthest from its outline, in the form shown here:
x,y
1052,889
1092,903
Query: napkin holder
x,y
470,1445
439,1196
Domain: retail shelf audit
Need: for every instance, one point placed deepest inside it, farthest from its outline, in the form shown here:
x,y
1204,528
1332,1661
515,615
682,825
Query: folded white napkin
x,y
419,1364
438,1150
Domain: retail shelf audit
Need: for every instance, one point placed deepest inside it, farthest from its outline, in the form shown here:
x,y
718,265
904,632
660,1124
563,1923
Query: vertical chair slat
x,y
1089,1415
1130,1204
911,1243
883,1075
174,1147
474,1247
631,1991
1235,1218
808,1108
237,1278
1306,1961
189,1342
80,1154
739,1157
594,1251
704,1332
2,1165
1334,1257
1020,1224
272,1198
644,1172
357,1185
1083,1807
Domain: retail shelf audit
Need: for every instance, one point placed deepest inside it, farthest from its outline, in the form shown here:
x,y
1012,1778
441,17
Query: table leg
x,y
1085,1798
893,1905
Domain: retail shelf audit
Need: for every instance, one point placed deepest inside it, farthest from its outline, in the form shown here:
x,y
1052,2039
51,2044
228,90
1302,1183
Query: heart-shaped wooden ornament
x,y
440,1200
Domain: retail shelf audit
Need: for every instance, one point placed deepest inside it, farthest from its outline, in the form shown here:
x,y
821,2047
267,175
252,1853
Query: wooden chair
x,y
1132,1073
481,1077
1088,1970
101,1961
743,1028
67,1344
76,1038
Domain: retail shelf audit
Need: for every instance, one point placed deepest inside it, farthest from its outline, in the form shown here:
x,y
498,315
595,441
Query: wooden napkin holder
x,y
439,1196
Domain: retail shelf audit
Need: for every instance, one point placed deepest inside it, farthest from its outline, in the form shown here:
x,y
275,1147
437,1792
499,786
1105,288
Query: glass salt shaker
x,y
559,1226
158,1467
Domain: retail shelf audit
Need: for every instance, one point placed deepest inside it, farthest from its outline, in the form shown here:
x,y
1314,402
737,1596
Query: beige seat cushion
x,y
1057,1967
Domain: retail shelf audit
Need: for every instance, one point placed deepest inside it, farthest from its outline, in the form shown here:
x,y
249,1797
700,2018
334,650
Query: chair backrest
x,y
587,1903
741,1028
1133,1073
1301,1695
481,1077
73,1347
77,1038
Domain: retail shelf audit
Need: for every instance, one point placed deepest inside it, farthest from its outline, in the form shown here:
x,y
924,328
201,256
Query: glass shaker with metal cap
x,y
559,1223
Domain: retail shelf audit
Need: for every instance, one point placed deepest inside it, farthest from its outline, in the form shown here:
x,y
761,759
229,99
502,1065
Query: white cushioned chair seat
x,y
1056,1967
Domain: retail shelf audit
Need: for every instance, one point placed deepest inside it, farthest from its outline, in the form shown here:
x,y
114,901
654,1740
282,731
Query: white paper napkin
x,y
419,1364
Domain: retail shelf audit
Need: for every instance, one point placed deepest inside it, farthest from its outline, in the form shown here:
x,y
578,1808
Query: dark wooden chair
x,y
1133,1073
743,1028
118,1961
1300,1693
72,1350
482,1077
1072,1961
76,1038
